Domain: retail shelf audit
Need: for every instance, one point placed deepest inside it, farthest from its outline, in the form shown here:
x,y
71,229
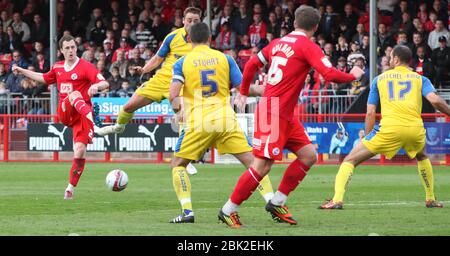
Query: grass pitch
x,y
380,200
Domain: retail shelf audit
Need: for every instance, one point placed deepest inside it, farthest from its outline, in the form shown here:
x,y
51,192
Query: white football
x,y
116,180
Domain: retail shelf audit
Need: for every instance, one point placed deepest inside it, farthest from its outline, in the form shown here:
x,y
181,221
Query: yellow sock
x,y
342,179
426,176
265,188
124,117
182,186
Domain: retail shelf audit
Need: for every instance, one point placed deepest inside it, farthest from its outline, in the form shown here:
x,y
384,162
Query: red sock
x,y
292,177
76,170
247,183
81,106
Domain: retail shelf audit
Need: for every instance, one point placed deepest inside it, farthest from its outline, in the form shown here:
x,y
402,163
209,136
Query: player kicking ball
x,y
77,81
399,91
290,59
204,77
175,45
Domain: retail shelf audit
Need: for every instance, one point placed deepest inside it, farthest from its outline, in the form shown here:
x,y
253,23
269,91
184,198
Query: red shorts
x,y
272,136
82,128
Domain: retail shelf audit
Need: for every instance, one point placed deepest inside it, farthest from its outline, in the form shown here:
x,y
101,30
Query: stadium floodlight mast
x,y
373,40
53,50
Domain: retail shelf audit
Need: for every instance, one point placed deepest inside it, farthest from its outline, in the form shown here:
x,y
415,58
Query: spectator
x,y
115,81
273,26
115,11
242,20
5,20
125,90
365,49
3,98
361,84
98,32
345,31
441,12
116,31
354,54
360,34
384,65
3,41
96,15
40,64
402,39
422,64
328,50
32,90
404,25
401,8
107,49
386,7
13,82
342,48
13,42
133,77
244,43
418,41
350,18
342,64
3,73
437,33
18,60
102,69
124,47
158,28
89,55
328,23
144,36
384,40
20,27
422,14
121,63
430,24
135,58
287,23
39,30
441,59
226,40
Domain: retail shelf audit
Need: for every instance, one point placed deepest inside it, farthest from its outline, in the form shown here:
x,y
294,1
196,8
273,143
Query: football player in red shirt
x,y
290,59
77,81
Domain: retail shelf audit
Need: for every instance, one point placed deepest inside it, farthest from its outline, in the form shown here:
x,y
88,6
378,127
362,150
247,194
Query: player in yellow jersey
x,y
204,76
174,46
399,91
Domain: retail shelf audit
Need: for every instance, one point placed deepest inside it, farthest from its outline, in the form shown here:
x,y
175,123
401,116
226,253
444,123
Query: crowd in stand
x,y
116,35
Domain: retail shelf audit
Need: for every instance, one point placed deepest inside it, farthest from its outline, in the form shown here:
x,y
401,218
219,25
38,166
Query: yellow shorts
x,y
192,144
389,140
155,89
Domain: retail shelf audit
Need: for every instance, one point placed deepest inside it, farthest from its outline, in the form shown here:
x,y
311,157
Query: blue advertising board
x,y
340,138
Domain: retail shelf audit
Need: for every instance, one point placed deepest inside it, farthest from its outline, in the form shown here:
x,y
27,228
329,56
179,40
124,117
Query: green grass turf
x,y
382,200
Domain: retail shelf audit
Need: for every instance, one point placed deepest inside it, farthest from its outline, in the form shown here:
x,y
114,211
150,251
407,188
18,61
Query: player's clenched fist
x,y
357,72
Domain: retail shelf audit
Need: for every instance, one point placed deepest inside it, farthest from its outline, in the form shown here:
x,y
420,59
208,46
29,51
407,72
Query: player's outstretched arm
x,y
98,87
316,58
39,77
153,63
438,103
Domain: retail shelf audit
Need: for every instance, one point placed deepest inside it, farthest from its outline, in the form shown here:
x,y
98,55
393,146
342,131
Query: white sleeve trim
x,y
262,58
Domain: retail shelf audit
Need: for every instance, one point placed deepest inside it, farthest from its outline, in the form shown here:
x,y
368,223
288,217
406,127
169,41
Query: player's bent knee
x,y
73,95
421,156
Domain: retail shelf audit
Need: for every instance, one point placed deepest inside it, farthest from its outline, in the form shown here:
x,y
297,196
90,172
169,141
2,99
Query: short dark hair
x,y
403,53
306,17
193,10
199,33
66,38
